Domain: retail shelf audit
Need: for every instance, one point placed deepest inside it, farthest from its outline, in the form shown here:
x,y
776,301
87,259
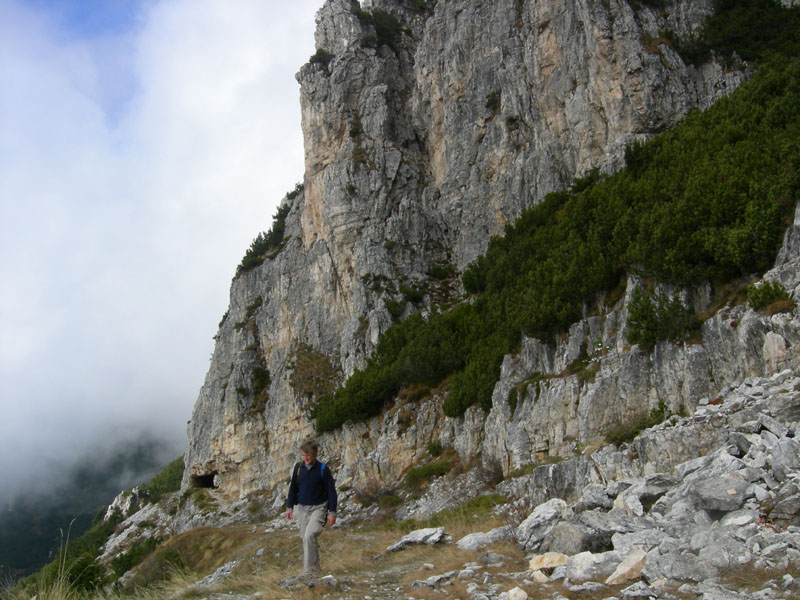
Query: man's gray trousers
x,y
311,520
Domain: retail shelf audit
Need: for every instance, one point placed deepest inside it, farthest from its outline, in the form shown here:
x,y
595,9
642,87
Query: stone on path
x,y
630,568
429,535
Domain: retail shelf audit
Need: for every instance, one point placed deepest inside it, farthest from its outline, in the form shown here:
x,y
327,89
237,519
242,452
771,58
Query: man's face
x,y
308,457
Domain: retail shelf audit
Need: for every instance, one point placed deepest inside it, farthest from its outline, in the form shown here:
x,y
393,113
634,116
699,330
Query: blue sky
x,y
143,145
86,19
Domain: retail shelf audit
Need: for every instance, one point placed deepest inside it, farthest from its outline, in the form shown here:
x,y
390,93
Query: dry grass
x,y
58,590
780,306
199,550
748,577
357,557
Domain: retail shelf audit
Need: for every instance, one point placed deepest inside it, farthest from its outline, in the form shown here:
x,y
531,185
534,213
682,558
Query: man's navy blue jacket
x,y
312,486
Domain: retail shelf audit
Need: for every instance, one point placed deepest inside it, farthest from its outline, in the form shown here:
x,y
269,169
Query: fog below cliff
x,y
143,145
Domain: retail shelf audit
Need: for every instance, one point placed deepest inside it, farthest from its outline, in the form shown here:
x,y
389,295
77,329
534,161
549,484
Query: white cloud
x,y
135,169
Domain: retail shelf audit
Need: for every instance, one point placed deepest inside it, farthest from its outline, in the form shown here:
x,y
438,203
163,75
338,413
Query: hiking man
x,y
312,501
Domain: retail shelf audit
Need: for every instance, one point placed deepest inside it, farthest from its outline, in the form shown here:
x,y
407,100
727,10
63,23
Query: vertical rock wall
x,y
417,150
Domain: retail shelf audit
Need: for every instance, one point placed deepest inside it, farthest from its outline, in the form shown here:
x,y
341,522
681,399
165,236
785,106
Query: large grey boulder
x,y
541,522
785,458
570,537
646,540
476,542
587,566
723,493
594,495
678,566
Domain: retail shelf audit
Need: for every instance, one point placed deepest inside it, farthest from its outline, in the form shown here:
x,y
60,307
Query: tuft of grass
x,y
626,433
414,393
780,306
748,577
584,368
435,449
421,475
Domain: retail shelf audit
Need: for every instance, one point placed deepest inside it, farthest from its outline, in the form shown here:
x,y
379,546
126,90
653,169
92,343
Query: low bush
x,y
435,449
321,57
412,294
768,292
389,501
394,307
298,188
493,101
655,317
387,28
748,30
261,379
478,508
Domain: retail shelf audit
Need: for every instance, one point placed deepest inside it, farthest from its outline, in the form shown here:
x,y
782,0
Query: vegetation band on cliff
x,y
706,201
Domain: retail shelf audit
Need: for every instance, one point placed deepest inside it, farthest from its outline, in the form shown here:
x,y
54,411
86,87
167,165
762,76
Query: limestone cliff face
x,y
416,152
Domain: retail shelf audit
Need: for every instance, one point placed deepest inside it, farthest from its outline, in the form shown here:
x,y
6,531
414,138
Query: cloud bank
x,y
140,153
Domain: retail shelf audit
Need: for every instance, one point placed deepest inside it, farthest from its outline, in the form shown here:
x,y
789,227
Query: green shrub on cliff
x,y
265,245
387,28
655,317
168,480
766,294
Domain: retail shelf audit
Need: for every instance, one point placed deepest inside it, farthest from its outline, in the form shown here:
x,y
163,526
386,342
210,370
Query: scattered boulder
x,y
429,535
548,560
476,542
784,458
539,577
220,574
587,566
516,593
640,590
723,493
630,568
570,538
787,508
678,566
492,559
541,522
709,513
594,495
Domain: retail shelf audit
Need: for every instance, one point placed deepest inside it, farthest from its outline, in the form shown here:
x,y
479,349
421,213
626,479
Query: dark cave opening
x,y
204,481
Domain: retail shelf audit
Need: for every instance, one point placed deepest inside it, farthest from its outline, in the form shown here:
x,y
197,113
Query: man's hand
x,y
289,514
331,520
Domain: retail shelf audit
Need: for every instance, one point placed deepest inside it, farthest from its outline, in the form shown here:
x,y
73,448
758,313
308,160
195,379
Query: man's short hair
x,y
311,446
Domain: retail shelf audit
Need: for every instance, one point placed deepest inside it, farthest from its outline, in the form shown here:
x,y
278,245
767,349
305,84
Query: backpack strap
x,y
297,469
